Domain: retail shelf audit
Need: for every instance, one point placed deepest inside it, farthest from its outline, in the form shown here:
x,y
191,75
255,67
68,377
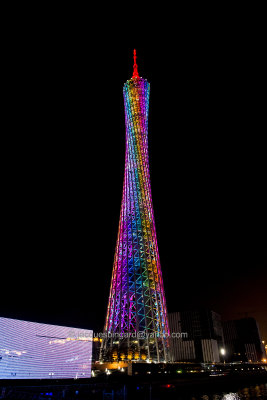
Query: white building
x,y
197,336
30,350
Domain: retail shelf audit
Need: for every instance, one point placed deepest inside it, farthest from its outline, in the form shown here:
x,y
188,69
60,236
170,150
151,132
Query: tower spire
x,y
135,67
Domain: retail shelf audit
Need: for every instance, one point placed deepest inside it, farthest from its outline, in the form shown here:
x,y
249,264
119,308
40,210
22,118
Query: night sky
x,y
63,165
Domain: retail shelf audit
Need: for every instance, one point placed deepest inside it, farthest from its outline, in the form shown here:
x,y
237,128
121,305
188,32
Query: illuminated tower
x,y
136,323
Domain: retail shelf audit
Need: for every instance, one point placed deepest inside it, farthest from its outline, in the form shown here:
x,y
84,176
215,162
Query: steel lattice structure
x,y
136,322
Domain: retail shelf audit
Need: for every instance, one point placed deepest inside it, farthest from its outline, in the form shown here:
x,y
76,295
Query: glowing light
x,y
231,396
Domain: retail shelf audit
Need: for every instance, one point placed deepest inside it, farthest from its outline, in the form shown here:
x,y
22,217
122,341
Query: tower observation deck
x,y
136,326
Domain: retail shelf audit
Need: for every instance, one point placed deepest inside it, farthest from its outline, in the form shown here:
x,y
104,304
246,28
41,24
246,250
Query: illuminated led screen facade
x,y
30,350
136,323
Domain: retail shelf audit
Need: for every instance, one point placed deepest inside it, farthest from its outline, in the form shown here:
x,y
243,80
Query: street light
x,y
223,352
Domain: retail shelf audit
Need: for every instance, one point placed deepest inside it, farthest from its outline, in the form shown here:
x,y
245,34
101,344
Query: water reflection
x,y
250,392
230,396
254,392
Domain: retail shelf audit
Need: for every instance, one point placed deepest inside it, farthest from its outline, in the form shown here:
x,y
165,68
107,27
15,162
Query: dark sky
x,y
63,167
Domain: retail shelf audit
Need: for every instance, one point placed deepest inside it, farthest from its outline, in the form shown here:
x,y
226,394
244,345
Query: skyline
x,y
64,172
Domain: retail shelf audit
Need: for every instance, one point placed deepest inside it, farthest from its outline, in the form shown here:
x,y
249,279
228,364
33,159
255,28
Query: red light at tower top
x,y
135,67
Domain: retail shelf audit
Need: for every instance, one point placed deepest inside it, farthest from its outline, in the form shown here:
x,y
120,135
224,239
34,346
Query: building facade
x,y
201,336
136,322
243,340
30,350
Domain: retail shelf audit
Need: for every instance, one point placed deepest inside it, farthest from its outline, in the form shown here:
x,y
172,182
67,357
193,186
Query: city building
x,y
30,350
136,324
196,336
96,349
243,340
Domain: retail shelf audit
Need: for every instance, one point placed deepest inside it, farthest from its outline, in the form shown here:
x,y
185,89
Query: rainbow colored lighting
x,y
136,301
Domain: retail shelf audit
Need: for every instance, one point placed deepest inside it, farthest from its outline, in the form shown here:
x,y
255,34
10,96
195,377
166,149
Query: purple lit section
x,y
30,350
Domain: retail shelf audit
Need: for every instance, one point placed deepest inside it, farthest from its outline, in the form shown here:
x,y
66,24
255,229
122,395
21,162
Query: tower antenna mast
x,y
135,67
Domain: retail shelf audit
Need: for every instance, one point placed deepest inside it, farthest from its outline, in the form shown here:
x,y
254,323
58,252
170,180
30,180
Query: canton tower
x,y
136,326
